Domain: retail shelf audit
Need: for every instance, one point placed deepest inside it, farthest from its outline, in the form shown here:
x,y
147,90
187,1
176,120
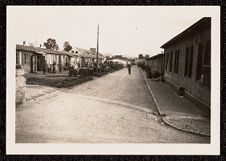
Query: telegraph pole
x,y
97,46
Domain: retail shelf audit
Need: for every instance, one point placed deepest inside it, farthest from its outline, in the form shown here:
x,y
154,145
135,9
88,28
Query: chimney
x,y
24,42
93,49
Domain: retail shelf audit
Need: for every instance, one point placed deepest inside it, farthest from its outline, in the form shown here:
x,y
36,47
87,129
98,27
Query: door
x,y
40,62
32,63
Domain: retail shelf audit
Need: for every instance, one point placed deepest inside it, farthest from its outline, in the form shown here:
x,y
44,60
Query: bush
x,y
18,66
149,74
90,71
73,72
83,71
156,74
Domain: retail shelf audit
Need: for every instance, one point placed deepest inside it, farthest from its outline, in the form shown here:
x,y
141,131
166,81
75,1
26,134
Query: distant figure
x,y
48,68
54,67
44,67
60,67
129,67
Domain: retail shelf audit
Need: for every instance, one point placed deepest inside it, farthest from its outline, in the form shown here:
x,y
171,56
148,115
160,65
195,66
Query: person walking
x,y
44,67
129,67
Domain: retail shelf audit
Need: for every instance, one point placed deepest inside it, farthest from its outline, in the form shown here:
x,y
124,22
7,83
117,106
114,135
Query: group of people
x,y
47,67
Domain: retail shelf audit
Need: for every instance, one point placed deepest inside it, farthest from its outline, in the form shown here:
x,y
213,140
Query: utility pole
x,y
97,46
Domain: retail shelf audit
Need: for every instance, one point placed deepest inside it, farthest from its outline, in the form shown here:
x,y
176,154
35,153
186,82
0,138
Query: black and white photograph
x,y
117,80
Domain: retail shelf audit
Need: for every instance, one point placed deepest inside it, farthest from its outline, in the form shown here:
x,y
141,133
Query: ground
x,y
116,108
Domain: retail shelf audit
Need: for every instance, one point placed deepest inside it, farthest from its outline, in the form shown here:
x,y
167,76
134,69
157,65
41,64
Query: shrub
x,y
149,74
156,74
84,72
73,72
18,66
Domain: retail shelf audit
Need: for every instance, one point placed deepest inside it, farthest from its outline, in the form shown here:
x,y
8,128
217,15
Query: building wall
x,y
192,85
24,58
57,58
137,61
156,64
31,61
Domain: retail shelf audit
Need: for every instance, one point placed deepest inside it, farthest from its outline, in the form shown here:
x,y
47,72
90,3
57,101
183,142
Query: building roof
x,y
94,54
118,60
25,48
87,53
156,56
50,51
81,52
40,50
203,23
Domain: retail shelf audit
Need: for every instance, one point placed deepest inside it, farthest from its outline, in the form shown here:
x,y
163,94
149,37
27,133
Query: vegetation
x,y
150,73
67,46
56,81
72,77
51,44
103,69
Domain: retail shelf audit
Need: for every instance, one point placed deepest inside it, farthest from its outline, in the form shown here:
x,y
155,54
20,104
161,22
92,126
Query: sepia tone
x,y
84,96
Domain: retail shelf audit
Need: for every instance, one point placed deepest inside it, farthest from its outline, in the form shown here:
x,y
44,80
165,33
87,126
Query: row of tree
x,y
51,44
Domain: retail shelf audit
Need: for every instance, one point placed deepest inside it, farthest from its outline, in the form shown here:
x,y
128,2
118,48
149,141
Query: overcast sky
x,y
123,30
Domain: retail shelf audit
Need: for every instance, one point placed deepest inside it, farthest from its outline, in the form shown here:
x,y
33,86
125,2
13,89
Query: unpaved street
x,y
116,108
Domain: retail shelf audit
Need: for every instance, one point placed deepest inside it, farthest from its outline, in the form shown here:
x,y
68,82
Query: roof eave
x,y
186,31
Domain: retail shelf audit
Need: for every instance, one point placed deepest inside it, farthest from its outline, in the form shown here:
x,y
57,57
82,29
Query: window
x,y
186,62
206,70
53,58
171,62
57,59
190,61
17,57
25,58
176,61
166,61
199,61
203,73
207,54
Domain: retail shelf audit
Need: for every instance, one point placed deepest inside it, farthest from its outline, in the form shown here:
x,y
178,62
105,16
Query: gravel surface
x,y
199,125
35,91
116,108
180,112
119,86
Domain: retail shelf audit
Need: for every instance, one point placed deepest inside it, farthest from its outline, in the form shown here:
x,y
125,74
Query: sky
x,y
127,31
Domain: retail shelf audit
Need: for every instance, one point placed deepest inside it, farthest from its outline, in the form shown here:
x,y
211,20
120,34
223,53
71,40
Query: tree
x,y
67,46
51,44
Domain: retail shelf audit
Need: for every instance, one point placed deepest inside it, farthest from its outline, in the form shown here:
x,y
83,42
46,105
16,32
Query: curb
x,y
108,101
155,101
161,113
44,96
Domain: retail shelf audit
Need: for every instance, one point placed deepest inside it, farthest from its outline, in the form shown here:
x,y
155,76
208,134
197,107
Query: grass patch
x,y
62,80
59,82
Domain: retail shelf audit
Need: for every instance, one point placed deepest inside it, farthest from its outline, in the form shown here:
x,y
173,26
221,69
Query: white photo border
x,y
122,149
